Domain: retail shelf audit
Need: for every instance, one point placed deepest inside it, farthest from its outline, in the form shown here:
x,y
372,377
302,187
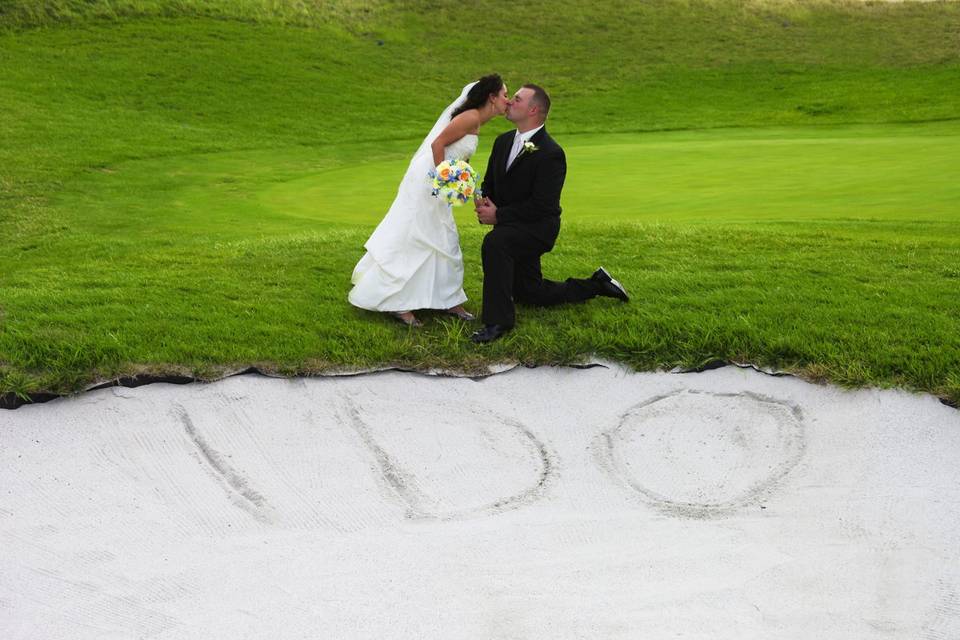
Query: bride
x,y
413,258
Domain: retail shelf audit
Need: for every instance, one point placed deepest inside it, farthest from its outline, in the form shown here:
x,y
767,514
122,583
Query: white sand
x,y
546,503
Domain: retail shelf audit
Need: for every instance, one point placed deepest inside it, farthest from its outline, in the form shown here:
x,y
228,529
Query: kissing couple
x,y
413,259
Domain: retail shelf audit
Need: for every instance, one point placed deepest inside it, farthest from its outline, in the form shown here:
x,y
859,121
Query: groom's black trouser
x,y
511,273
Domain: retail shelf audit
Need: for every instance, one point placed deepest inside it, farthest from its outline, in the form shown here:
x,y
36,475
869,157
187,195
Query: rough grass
x,y
139,182
353,13
38,13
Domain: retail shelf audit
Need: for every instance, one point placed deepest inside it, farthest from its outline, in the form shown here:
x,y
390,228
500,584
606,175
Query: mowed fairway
x,y
879,173
774,185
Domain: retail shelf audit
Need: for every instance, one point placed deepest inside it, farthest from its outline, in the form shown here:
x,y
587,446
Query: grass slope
x,y
186,185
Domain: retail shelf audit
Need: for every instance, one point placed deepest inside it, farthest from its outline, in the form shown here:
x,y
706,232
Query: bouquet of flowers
x,y
454,182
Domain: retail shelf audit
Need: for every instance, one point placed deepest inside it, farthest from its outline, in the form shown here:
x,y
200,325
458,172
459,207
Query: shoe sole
x,y
620,287
615,283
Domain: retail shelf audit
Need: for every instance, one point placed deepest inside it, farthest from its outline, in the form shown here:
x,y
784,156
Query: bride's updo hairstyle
x,y
478,94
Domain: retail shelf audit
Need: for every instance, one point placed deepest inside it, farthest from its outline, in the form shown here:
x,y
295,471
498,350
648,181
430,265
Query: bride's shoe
x,y
462,313
407,318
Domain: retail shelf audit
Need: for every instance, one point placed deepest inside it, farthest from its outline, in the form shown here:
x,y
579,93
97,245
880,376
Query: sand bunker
x,y
544,503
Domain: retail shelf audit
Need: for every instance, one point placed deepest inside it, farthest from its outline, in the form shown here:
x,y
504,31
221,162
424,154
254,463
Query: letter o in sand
x,y
696,454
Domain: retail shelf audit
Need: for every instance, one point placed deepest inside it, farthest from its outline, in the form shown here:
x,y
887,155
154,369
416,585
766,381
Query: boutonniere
x,y
529,147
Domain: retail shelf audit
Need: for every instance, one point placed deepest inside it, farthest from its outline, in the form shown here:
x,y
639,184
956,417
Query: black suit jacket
x,y
528,194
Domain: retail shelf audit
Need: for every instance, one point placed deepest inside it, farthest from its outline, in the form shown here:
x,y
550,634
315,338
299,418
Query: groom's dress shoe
x,y
608,286
489,333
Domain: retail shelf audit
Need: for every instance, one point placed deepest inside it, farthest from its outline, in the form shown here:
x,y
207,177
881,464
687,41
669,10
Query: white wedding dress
x,y
413,258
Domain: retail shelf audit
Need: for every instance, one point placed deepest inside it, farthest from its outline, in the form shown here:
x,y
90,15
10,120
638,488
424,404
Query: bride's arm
x,y
466,122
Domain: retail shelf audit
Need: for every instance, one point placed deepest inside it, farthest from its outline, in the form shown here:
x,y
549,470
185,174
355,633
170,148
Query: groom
x,y
521,201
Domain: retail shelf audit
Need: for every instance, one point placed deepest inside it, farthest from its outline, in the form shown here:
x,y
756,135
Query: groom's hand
x,y
486,211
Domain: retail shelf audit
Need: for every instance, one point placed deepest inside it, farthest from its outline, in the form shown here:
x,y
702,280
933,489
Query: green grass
x,y
185,186
867,172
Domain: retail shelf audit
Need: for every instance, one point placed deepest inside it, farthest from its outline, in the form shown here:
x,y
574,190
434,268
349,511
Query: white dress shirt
x,y
518,140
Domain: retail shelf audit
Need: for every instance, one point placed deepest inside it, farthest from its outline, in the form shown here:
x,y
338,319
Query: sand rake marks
x,y
53,590
943,620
